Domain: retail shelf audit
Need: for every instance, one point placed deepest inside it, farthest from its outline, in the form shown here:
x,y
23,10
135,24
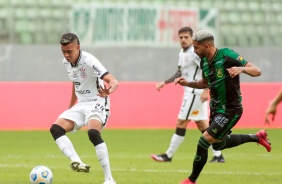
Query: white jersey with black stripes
x,y
189,64
86,76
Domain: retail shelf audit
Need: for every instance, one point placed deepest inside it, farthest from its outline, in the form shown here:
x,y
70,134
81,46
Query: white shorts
x,y
82,112
192,108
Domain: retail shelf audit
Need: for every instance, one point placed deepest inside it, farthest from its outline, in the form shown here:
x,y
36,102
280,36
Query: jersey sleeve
x,y
235,56
98,69
179,59
196,59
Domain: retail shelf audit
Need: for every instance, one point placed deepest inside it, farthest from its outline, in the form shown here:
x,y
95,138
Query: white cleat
x,y
79,167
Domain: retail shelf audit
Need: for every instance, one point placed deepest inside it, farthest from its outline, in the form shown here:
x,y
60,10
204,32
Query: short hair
x,y
68,38
185,30
203,35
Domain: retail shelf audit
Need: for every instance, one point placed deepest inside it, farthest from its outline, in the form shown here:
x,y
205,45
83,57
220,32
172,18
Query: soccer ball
x,y
41,175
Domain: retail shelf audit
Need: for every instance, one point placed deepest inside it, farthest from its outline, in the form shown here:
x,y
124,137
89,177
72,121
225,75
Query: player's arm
x,y
252,70
73,97
249,69
271,109
104,91
161,84
200,84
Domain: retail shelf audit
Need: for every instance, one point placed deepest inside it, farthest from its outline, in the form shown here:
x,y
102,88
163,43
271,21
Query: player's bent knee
x,y
219,146
95,137
57,131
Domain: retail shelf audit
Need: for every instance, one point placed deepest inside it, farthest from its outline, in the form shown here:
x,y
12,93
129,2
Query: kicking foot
x,y
263,140
161,158
79,167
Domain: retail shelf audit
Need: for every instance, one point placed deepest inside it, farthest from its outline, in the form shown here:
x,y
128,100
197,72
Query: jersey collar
x,y
213,57
78,59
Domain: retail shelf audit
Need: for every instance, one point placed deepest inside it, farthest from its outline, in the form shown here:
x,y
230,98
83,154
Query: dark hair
x,y
185,30
68,38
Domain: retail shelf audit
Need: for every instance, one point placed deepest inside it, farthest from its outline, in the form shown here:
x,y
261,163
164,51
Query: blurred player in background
x,y
194,103
92,109
221,69
271,109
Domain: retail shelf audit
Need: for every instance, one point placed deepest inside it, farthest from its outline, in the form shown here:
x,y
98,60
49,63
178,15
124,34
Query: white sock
x,y
175,142
215,153
103,157
67,148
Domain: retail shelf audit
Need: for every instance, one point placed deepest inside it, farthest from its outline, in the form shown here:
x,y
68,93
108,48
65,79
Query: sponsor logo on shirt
x,y
97,70
195,113
83,92
76,84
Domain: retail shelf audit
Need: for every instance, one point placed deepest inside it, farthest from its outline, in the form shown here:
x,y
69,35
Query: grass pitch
x,y
130,151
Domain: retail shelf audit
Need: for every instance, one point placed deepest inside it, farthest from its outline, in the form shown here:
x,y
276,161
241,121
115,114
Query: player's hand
x,y
159,85
234,71
270,112
181,81
204,96
104,91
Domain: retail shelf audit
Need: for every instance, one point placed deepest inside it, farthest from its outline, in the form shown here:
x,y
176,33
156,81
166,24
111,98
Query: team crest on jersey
x,y
219,72
83,73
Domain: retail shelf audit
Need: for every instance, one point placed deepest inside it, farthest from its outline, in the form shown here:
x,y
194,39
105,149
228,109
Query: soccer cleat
x,y
109,182
187,181
263,140
161,158
218,159
79,167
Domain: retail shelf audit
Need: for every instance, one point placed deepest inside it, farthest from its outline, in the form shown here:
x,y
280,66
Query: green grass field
x,y
130,158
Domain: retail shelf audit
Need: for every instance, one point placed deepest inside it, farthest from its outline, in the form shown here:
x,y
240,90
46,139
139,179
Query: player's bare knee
x,y
95,137
182,123
57,131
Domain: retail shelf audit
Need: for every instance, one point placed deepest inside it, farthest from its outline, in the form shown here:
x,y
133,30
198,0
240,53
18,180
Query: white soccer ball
x,y
41,175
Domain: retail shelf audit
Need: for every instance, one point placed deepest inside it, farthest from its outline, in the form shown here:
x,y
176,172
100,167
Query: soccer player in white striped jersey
x,y
194,103
92,108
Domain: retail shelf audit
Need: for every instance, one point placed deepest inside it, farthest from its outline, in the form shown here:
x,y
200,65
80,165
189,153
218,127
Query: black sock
x,y
200,159
180,131
235,140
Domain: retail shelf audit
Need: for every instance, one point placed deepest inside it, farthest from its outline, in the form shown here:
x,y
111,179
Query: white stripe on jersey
x,y
86,76
189,64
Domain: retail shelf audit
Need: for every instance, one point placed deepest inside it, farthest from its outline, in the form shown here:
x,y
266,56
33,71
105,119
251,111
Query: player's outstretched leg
x,y
67,148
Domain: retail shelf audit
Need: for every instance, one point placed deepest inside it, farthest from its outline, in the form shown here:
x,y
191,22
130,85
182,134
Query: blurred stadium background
x,y
136,40
140,34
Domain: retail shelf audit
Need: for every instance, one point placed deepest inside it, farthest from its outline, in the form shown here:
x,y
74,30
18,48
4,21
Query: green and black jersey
x,y
225,91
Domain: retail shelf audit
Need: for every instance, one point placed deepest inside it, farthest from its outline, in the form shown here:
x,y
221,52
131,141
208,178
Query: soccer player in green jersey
x,y
220,69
